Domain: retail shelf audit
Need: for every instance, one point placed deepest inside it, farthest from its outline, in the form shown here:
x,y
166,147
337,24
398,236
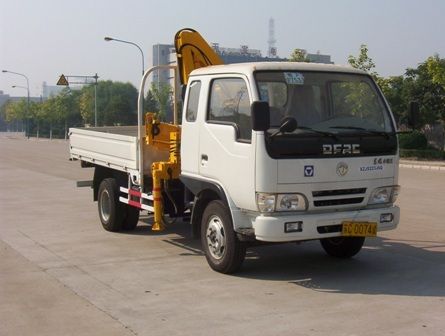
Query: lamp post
x,y
27,88
108,39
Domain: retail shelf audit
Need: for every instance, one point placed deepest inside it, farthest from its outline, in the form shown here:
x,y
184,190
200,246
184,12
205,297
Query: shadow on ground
x,y
383,267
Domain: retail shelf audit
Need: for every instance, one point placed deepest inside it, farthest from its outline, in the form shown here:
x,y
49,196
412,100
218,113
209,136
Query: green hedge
x,y
413,140
429,154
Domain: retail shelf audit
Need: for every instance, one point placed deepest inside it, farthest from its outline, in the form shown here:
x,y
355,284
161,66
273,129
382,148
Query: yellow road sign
x,y
62,81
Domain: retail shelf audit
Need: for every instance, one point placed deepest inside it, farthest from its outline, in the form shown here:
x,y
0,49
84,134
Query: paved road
x,y
62,274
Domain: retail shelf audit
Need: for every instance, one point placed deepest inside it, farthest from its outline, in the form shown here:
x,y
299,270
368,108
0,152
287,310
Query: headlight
x,y
291,202
266,202
384,195
395,193
281,202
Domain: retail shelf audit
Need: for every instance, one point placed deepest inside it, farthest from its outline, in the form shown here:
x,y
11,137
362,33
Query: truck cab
x,y
281,152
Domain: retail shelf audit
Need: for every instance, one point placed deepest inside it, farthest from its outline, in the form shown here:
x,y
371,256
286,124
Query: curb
x,y
436,166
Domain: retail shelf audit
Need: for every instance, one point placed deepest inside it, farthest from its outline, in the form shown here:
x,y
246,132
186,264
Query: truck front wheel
x,y
111,211
223,251
342,247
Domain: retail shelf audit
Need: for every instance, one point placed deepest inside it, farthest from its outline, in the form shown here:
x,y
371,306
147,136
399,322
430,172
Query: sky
x,y
46,38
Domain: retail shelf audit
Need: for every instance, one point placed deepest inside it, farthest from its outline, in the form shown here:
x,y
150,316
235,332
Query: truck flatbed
x,y
115,147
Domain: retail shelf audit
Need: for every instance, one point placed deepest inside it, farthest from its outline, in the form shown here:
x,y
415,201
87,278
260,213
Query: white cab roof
x,y
247,68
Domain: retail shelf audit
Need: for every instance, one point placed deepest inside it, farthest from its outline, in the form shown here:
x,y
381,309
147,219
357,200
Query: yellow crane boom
x,y
193,52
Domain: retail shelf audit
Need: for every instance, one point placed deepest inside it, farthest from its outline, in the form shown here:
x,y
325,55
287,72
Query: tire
x,y
111,211
223,251
131,219
342,247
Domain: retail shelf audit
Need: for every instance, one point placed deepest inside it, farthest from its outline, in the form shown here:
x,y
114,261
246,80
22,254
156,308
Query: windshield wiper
x,y
289,125
327,134
369,131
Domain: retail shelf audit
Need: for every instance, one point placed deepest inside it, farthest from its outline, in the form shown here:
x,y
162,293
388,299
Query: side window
x,y
192,102
230,103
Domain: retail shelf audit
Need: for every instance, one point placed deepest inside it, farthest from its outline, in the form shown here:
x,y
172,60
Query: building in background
x,y
320,58
4,98
242,54
164,54
316,58
50,90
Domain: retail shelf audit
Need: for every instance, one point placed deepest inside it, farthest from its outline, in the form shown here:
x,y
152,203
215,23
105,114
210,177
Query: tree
x,y
423,88
16,112
86,105
365,63
150,103
116,103
396,93
66,108
36,115
162,94
299,55
49,114
362,61
436,69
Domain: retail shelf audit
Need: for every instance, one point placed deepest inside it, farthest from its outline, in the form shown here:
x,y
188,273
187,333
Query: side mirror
x,y
413,114
260,116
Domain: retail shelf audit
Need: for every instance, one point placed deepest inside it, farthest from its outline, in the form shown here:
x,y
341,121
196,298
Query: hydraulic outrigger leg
x,y
164,170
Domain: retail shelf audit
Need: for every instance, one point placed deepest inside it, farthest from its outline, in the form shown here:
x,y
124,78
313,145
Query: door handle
x,y
204,159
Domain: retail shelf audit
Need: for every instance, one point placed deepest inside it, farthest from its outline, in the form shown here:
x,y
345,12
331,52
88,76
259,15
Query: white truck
x,y
265,152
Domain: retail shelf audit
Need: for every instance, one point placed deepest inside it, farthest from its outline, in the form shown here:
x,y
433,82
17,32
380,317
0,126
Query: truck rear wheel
x,y
224,252
342,247
131,219
111,211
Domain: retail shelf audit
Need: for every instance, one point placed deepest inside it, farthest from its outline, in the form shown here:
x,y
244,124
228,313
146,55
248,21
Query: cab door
x,y
226,152
190,129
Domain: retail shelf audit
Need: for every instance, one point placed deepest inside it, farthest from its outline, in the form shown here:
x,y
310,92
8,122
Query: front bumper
x,y
317,226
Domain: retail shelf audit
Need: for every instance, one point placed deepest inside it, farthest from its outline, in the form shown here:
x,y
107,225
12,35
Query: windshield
x,y
324,101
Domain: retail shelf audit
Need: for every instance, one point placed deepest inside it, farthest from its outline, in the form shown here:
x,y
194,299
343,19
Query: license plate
x,y
359,229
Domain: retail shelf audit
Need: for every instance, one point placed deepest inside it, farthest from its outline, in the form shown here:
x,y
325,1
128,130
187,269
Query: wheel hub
x,y
216,239
105,205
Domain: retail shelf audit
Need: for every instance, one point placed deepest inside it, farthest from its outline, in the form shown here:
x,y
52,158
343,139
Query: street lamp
x,y
107,38
27,88
18,86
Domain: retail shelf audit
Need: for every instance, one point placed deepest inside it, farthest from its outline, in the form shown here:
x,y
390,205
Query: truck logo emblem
x,y
342,169
308,171
332,149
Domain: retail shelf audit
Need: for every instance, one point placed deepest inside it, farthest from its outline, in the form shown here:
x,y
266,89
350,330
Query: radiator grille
x,y
324,198
339,192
